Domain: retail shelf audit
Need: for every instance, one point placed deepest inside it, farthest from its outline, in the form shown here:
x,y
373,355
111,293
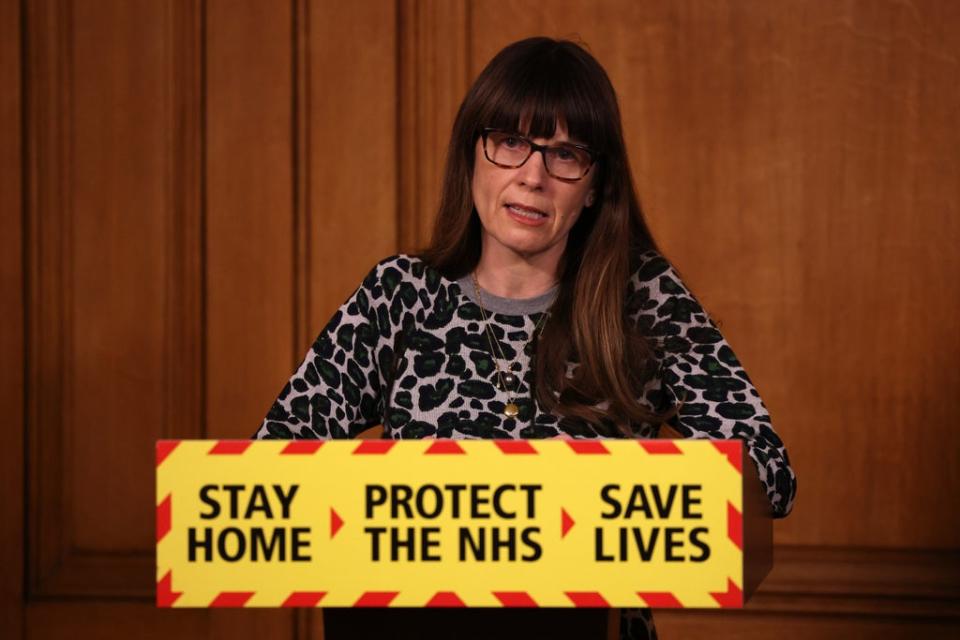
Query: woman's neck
x,y
510,275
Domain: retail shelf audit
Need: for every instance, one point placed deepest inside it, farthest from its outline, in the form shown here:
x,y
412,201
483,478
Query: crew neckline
x,y
508,306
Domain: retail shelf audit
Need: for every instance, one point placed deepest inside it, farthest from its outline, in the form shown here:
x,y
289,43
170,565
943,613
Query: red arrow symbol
x,y
335,522
566,522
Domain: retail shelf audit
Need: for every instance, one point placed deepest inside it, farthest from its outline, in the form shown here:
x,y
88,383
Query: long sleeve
x,y
701,372
336,392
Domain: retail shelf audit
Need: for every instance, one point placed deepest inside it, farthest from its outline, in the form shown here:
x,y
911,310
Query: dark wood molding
x,y
102,576
860,581
839,592
305,623
12,328
185,368
300,120
48,253
805,580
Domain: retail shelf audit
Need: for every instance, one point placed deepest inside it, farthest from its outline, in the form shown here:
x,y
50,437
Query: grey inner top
x,y
508,306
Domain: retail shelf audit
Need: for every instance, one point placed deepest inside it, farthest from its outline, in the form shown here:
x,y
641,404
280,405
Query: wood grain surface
x,y
12,353
190,189
799,162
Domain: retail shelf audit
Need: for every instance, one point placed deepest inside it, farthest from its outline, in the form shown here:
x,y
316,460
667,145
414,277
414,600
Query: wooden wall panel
x,y
11,328
249,223
434,75
117,250
114,281
116,620
908,584
347,174
98,240
45,199
796,160
351,171
206,181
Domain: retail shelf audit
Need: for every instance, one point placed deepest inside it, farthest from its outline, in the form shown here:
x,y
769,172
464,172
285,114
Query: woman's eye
x,y
511,142
565,154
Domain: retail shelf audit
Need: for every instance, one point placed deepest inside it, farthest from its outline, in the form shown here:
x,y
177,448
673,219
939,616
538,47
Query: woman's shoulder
x,y
652,271
406,267
664,307
407,264
404,273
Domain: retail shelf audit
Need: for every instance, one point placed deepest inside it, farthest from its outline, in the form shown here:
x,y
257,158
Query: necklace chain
x,y
510,409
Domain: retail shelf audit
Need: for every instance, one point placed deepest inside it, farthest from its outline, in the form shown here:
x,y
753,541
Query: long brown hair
x,y
540,81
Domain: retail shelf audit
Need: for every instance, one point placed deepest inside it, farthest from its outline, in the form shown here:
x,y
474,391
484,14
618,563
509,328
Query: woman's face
x,y
525,210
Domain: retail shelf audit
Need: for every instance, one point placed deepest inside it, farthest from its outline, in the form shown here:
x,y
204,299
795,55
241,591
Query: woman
x,y
542,307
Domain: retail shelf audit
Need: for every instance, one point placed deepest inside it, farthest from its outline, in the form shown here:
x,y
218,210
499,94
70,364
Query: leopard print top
x,y
409,350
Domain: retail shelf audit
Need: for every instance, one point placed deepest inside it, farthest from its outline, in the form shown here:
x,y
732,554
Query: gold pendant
x,y
511,409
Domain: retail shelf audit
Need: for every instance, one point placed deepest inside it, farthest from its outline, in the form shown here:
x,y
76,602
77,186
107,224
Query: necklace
x,y
509,380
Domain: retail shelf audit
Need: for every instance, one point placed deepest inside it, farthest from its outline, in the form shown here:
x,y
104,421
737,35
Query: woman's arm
x,y
700,370
337,391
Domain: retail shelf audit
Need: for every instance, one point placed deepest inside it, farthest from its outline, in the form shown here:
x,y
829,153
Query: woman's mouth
x,y
526,215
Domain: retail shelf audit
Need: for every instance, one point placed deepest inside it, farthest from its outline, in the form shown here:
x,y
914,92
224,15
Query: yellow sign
x,y
480,523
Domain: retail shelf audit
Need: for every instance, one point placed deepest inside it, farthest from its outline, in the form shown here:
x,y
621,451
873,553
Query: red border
x,y
306,599
304,447
519,599
588,447
229,447
227,599
660,446
166,596
164,449
732,599
444,447
587,599
732,450
445,599
660,599
376,599
734,525
374,447
164,515
512,447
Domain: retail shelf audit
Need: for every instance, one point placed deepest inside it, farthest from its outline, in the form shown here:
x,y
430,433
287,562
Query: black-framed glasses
x,y
510,150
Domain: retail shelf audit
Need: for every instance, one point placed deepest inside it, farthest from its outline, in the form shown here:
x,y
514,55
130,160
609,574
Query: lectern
x,y
441,539
553,623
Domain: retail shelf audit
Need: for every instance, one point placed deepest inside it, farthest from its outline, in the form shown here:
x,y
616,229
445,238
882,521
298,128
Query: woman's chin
x,y
529,249
527,243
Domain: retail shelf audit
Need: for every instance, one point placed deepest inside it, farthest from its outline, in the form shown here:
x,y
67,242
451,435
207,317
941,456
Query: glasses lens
x,y
506,149
567,162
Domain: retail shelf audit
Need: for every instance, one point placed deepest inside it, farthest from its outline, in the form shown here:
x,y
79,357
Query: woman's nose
x,y
533,173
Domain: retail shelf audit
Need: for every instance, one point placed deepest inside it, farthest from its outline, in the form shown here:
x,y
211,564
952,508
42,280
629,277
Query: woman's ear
x,y
590,197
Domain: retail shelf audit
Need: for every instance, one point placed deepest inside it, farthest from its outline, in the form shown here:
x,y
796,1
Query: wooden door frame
x,y
12,327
